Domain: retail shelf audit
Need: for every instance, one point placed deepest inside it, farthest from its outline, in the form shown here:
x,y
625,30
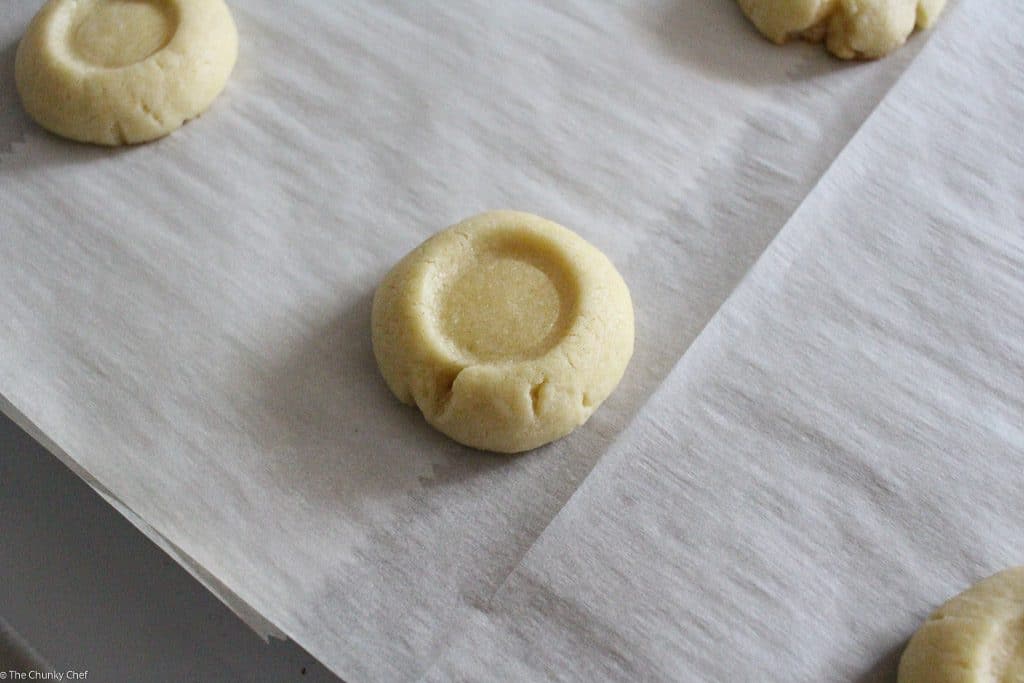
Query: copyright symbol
x,y
3,675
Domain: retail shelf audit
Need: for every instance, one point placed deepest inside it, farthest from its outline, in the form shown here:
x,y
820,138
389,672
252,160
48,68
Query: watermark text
x,y
69,675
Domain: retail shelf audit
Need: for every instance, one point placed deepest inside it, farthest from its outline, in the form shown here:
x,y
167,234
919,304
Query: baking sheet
x,y
186,323
841,449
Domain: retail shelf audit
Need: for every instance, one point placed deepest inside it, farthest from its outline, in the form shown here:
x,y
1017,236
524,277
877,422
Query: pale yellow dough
x,y
506,330
861,29
977,637
114,72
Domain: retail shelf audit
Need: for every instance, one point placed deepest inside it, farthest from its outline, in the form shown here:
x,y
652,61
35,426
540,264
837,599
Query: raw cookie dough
x,y
507,330
861,29
115,72
977,637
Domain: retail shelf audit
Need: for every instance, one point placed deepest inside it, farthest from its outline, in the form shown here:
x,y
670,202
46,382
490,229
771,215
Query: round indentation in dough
x,y
115,72
851,29
510,300
122,32
506,330
976,637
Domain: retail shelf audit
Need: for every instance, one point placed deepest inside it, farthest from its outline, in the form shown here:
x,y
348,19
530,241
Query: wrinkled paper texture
x,y
842,448
186,323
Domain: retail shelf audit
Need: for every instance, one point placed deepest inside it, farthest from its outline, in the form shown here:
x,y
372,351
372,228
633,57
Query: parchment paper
x,y
186,323
842,448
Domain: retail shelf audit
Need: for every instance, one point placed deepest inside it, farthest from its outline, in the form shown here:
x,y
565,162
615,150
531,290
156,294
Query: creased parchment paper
x,y
842,448
186,323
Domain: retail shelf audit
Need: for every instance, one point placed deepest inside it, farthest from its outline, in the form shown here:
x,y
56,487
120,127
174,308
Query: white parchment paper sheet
x,y
842,449
186,322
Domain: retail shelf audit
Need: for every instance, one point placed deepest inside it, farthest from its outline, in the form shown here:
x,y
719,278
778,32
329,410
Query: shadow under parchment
x,y
125,606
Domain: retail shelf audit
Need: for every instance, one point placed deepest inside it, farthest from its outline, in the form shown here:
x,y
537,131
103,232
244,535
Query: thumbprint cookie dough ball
x,y
977,637
114,72
507,331
851,29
